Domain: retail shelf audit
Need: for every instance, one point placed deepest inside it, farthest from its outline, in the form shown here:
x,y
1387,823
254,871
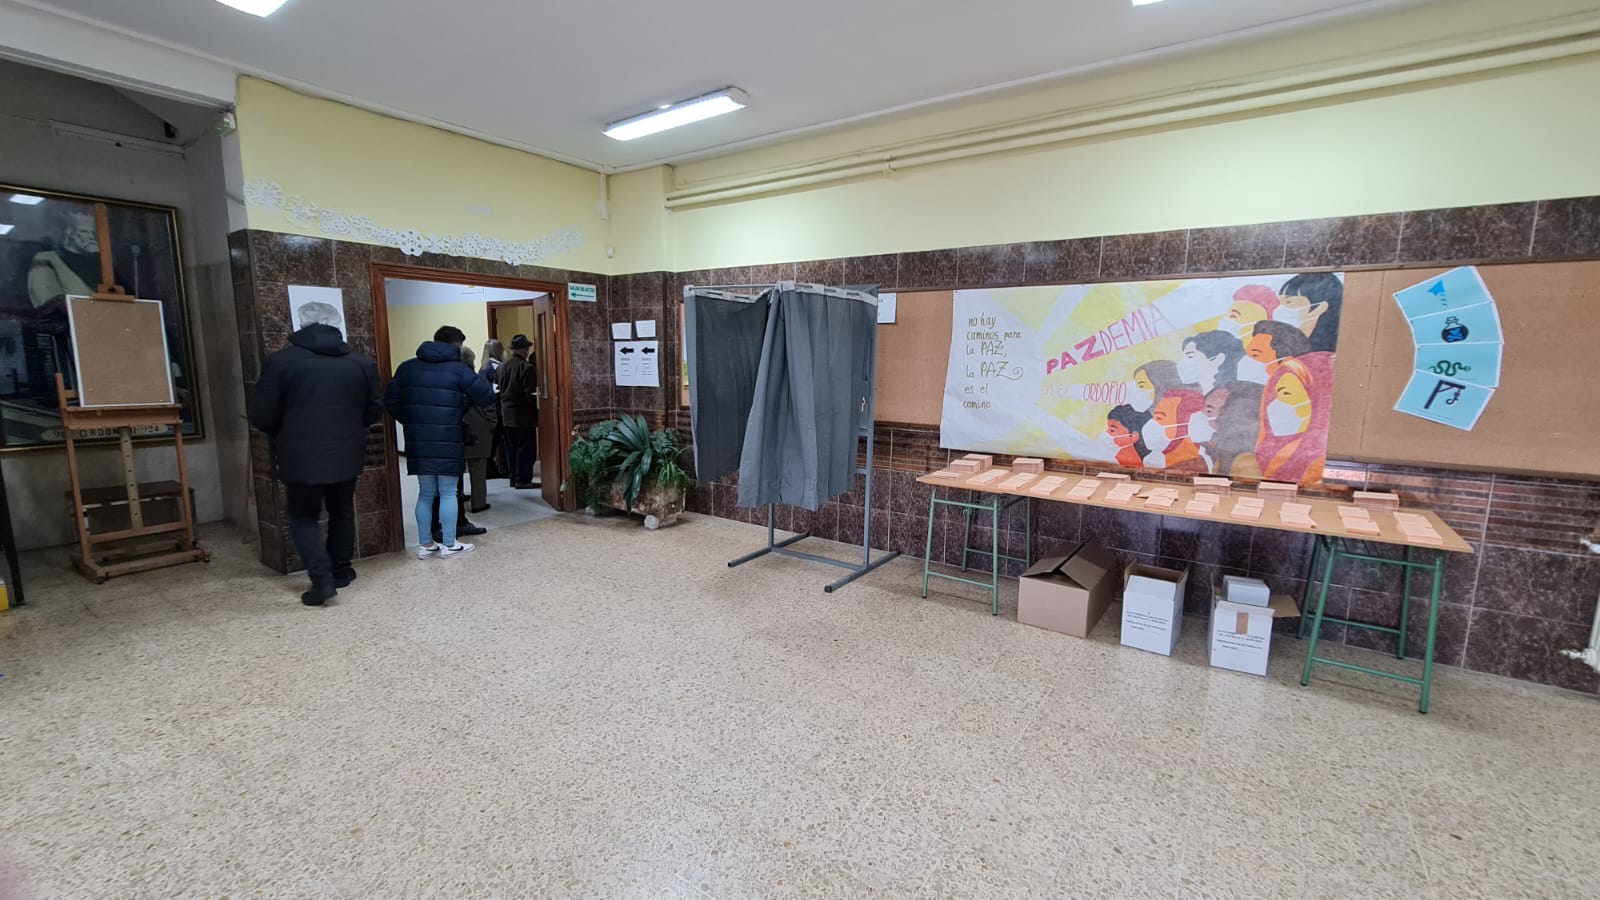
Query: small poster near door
x,y
636,363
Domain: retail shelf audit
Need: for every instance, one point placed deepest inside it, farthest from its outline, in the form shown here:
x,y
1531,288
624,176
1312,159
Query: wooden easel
x,y
139,547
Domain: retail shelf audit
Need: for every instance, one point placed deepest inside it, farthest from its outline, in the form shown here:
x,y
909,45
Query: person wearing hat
x,y
519,411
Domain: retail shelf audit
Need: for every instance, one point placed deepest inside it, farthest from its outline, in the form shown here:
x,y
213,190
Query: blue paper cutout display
x,y
1459,348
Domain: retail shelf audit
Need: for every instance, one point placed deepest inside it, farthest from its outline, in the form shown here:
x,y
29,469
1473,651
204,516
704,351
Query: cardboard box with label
x,y
1152,608
1241,635
1068,591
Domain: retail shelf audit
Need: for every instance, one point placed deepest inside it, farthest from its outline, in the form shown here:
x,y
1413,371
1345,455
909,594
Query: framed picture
x,y
49,251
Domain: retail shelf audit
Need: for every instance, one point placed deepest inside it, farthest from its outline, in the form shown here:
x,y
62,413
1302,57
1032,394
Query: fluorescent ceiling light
x,y
26,199
1135,2
261,8
6,229
683,112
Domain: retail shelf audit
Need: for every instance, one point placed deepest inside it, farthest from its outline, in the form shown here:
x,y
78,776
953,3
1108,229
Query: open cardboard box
x,y
1069,590
1152,607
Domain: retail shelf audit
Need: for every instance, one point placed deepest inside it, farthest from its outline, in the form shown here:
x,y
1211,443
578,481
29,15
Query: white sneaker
x,y
427,550
453,549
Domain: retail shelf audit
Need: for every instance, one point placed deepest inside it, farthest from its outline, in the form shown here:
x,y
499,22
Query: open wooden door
x,y
555,391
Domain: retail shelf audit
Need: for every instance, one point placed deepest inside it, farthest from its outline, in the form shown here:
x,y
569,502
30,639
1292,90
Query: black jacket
x,y
429,395
519,393
317,399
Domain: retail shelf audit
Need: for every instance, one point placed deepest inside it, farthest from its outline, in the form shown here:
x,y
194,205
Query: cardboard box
x,y
1249,591
1069,590
1241,635
1152,608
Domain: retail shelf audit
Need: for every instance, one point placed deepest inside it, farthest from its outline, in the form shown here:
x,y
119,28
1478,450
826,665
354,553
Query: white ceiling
x,y
547,76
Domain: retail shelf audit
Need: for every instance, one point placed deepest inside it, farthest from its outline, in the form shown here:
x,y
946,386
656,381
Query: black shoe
x,y
484,508
343,579
438,537
318,596
470,530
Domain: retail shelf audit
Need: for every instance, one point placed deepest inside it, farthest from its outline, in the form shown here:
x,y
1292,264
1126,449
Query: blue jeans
x,y
442,487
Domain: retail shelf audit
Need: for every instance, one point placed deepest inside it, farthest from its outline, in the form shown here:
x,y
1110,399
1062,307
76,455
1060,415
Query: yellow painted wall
x,y
1512,135
408,176
641,228
514,320
1524,136
409,326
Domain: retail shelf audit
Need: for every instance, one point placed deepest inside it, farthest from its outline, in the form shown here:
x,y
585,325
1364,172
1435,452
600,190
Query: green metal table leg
x,y
1311,579
927,552
994,555
1322,605
966,538
1405,607
1433,628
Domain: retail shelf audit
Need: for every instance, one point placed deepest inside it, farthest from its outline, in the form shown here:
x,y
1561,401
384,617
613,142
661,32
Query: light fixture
x,y
26,199
5,229
1135,2
683,112
261,8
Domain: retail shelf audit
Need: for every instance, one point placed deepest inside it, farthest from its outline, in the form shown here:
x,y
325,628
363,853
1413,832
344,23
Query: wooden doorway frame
x,y
380,325
505,304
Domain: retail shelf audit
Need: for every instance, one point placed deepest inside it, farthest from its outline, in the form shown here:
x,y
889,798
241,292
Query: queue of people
x,y
316,400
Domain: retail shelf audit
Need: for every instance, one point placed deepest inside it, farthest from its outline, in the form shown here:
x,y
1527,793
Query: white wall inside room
x,y
194,183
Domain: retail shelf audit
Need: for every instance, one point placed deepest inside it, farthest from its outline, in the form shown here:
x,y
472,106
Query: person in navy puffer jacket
x,y
428,395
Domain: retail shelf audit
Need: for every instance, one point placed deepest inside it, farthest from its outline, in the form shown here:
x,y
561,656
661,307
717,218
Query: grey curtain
x,y
722,342
810,399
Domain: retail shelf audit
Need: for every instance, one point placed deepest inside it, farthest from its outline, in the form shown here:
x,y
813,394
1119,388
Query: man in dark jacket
x,y
428,395
316,400
519,411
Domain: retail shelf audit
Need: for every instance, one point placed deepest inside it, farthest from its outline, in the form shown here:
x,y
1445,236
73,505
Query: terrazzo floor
x,y
621,715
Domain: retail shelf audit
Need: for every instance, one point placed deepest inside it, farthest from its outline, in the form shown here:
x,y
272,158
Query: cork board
x,y
913,354
1544,419
119,349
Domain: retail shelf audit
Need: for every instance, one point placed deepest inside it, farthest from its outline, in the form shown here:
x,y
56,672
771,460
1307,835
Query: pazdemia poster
x,y
1224,376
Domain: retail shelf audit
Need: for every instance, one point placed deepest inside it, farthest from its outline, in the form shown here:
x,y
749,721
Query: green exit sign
x,y
582,293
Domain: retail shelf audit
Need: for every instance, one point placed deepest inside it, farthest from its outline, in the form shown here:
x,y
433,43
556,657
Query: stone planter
x,y
659,506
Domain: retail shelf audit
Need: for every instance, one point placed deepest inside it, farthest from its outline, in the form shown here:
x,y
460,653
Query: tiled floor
x,y
508,507
621,715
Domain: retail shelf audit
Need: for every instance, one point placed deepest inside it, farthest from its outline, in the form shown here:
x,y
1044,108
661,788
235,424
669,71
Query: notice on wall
x,y
313,305
887,304
622,331
1455,326
1225,376
637,363
645,328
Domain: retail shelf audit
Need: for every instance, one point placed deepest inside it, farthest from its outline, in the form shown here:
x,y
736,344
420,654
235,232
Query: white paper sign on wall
x,y
582,293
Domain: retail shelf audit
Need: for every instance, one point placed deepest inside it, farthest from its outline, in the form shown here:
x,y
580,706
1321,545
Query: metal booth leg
x,y
927,552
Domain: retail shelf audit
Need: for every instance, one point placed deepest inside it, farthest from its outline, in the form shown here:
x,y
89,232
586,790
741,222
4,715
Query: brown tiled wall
x,y
1509,609
264,265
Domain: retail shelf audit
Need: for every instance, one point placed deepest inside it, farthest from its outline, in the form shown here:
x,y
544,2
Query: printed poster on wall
x,y
1225,376
1455,326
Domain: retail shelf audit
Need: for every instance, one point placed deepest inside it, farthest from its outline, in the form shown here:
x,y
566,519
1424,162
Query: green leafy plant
x,y
626,454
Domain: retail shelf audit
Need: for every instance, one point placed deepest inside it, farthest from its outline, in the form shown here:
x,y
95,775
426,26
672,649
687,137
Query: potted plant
x,y
624,465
